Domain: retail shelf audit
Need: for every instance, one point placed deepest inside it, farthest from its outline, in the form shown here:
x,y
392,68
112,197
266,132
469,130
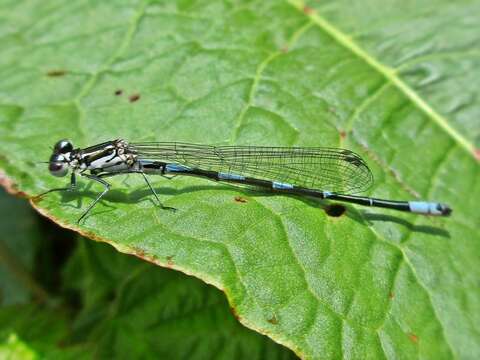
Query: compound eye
x,y
63,147
58,169
57,165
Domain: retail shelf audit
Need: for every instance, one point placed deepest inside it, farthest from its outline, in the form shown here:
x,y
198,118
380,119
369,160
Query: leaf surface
x,y
395,84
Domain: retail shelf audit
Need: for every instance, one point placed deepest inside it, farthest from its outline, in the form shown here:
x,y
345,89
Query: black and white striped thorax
x,y
110,156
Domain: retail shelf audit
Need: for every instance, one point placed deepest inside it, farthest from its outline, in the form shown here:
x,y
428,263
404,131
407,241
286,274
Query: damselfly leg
x,y
155,194
99,178
171,177
107,187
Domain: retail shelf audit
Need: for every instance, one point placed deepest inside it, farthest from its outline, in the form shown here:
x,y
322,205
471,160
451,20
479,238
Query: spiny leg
x,y
148,183
107,187
72,187
155,194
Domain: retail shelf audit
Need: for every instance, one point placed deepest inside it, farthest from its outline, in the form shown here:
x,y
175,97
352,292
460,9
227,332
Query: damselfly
x,y
325,173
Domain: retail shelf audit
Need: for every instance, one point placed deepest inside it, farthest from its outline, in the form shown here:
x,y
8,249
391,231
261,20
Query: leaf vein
x,y
258,75
390,74
419,282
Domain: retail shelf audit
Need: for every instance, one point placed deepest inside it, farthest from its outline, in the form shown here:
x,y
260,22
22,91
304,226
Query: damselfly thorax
x,y
109,156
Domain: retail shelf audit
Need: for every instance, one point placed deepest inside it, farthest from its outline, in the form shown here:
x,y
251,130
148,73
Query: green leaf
x,y
29,331
395,83
19,238
14,348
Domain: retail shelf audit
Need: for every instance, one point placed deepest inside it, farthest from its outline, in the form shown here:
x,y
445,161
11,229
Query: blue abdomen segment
x,y
281,186
176,168
229,176
429,208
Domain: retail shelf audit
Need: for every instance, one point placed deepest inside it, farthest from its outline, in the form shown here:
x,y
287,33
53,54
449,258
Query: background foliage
x,y
395,82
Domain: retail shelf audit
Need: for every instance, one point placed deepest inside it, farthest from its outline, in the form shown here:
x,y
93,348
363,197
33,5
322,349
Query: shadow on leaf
x,y
144,194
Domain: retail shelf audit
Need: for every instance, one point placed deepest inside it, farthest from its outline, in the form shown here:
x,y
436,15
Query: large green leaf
x,y
396,82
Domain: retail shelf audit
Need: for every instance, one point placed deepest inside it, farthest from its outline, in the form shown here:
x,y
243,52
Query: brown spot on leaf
x,y
119,92
140,253
22,194
240,199
170,262
10,186
56,73
150,258
335,210
413,337
273,320
308,10
235,314
343,135
284,49
476,153
391,295
134,97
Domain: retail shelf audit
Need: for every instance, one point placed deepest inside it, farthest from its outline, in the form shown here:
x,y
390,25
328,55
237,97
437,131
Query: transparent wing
x,y
331,169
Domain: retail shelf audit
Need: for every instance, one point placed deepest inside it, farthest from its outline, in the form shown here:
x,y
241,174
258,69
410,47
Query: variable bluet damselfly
x,y
325,173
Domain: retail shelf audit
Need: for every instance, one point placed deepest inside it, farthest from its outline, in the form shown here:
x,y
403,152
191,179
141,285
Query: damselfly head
x,y
63,147
58,164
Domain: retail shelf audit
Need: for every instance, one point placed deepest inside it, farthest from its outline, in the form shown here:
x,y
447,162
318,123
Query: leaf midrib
x,y
390,74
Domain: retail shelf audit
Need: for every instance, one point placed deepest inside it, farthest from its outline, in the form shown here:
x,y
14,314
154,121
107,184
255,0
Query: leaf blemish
x,y
335,210
10,186
118,92
273,320
343,134
240,199
413,337
170,262
56,73
235,314
140,252
308,10
134,97
477,154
